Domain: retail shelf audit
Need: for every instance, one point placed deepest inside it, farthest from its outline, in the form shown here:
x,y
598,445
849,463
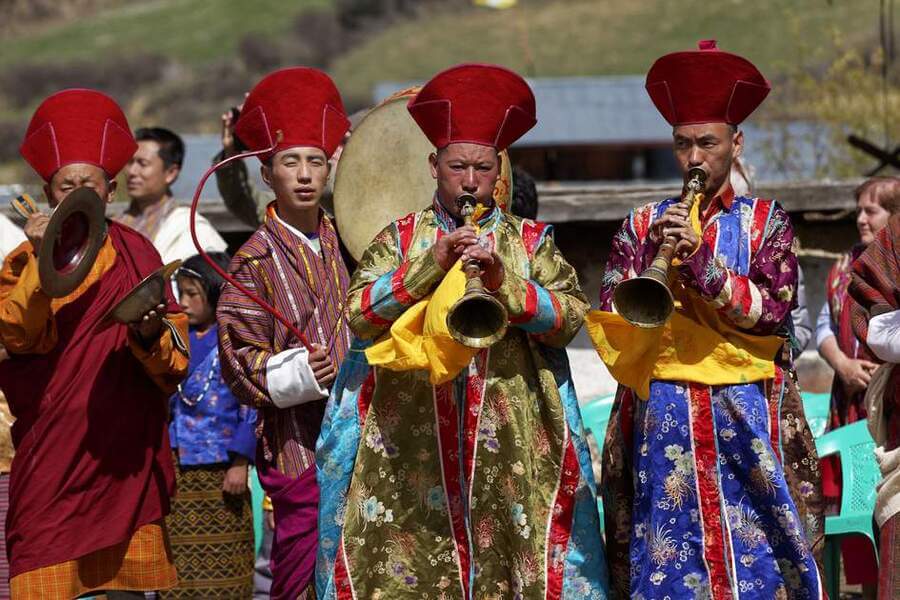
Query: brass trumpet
x,y
646,301
476,320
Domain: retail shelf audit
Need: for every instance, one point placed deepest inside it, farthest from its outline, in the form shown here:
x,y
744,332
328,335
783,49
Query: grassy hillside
x,y
187,31
181,62
591,37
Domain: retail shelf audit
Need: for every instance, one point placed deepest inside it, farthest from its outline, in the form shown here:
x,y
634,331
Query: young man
x,y
480,487
153,211
712,490
91,480
293,262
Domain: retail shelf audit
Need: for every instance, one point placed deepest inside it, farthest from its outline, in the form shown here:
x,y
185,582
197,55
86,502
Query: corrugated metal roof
x,y
584,110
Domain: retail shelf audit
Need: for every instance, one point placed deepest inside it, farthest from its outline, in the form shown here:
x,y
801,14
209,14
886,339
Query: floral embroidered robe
x,y
714,491
478,488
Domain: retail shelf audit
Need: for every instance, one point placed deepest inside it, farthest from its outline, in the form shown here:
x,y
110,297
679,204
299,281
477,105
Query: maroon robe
x,y
93,462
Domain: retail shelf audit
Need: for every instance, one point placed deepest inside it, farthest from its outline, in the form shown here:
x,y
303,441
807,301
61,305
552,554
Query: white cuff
x,y
884,336
291,380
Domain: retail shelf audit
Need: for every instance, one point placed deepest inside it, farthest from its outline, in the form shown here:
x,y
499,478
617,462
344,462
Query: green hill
x,y
186,31
181,62
599,37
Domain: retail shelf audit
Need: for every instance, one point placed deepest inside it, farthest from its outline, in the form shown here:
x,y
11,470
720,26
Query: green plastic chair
x,y
859,476
256,502
816,408
595,416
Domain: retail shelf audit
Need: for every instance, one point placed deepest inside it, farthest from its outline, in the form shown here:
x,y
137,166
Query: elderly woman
x,y
876,200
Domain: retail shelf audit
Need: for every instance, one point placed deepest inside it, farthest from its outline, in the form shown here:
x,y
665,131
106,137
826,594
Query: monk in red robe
x,y
90,485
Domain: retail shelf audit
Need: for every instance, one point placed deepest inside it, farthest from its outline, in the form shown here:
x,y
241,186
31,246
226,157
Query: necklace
x,y
209,377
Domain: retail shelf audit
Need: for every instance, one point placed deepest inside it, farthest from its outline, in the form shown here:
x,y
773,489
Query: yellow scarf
x,y
694,346
419,338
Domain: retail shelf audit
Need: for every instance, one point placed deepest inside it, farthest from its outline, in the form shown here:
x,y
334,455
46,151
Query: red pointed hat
x,y
78,126
302,103
705,86
479,104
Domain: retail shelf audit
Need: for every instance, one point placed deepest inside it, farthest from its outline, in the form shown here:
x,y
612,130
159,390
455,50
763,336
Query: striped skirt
x,y
212,537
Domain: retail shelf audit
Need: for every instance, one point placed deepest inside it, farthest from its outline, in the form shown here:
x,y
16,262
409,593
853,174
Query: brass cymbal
x,y
143,297
72,240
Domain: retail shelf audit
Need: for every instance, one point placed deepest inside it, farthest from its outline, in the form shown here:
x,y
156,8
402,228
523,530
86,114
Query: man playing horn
x,y
710,476
92,477
479,486
293,262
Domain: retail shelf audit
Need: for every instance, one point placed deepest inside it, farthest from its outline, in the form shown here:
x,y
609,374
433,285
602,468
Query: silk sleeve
x,y
385,284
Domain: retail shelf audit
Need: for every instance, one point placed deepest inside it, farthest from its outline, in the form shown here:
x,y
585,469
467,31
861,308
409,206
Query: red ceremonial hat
x,y
78,126
705,86
302,103
479,104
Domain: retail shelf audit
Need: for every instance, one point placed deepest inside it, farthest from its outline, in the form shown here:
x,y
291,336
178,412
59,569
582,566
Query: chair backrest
x,y
859,474
816,408
256,503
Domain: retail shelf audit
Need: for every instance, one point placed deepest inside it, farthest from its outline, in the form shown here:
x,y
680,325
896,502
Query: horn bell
x,y
645,301
477,320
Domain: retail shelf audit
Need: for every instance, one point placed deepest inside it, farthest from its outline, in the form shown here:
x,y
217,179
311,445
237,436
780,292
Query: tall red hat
x,y
302,103
705,86
78,126
479,104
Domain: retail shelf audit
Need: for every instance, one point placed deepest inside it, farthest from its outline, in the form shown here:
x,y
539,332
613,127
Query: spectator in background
x,y
154,212
10,236
853,365
524,202
214,440
875,289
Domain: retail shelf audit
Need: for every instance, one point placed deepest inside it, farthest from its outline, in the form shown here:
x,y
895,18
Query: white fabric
x,y
313,243
824,329
10,236
884,336
290,379
173,239
887,499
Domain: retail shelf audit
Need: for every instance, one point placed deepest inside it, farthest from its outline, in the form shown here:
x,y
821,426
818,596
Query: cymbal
x,y
143,297
72,240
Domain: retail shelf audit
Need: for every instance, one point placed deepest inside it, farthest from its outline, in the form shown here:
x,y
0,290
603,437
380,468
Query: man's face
x,y
147,177
297,176
710,146
871,217
465,167
77,175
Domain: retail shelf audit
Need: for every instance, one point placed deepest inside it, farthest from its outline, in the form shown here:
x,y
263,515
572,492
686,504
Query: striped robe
x,y
309,290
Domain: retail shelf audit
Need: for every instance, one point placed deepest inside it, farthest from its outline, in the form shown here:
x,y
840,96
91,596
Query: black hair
x,y
171,146
524,201
211,282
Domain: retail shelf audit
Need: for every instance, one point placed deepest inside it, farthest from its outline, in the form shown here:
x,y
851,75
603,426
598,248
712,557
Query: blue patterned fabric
x,y
209,427
712,513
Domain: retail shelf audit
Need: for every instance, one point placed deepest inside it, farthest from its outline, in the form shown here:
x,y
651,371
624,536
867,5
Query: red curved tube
x,y
262,303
